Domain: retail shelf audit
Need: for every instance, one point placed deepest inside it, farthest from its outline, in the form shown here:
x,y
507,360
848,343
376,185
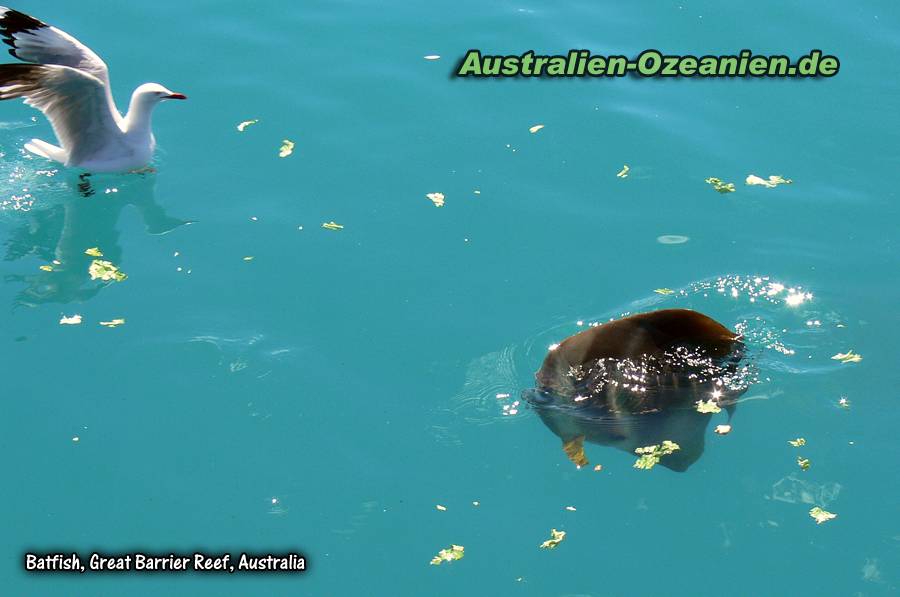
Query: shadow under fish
x,y
636,382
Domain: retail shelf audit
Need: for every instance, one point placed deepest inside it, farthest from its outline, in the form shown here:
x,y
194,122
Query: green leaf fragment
x,y
803,463
797,442
708,407
93,252
287,148
664,291
454,552
651,455
47,268
623,173
113,323
106,271
821,515
556,537
847,357
719,185
332,226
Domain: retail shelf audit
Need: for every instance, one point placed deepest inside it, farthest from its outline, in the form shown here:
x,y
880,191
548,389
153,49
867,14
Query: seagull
x,y
69,83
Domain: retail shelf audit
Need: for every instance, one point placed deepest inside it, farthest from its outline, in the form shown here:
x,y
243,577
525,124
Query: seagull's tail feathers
x,y
47,150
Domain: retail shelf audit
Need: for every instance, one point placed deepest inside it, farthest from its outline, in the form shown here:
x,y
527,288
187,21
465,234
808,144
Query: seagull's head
x,y
152,93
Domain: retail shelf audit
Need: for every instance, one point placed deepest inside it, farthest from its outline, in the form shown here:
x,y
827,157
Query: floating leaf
x,y
74,320
332,226
803,463
664,291
772,181
708,407
106,271
723,429
719,185
797,442
847,357
436,198
248,258
556,537
441,508
243,126
93,252
287,148
651,455
114,323
821,515
454,552
570,508
598,468
623,173
535,128
47,268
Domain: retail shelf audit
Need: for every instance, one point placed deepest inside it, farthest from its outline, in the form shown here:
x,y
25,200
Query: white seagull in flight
x,y
70,84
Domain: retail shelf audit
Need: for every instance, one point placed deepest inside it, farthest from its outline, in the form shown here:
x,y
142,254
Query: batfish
x,y
636,382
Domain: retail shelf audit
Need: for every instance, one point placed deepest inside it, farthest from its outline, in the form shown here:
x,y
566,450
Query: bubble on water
x,y
672,239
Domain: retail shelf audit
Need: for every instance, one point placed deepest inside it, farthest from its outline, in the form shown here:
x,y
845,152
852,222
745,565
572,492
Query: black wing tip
x,y
13,22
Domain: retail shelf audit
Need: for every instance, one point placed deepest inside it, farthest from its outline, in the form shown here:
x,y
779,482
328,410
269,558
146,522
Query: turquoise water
x,y
326,395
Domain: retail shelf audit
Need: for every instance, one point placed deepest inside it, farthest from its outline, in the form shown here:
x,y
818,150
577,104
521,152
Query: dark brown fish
x,y
635,382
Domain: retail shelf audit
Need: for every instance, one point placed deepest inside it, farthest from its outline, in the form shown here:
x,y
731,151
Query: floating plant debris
x,y
708,407
772,181
821,515
847,357
556,537
719,185
243,126
287,148
651,455
454,552
106,271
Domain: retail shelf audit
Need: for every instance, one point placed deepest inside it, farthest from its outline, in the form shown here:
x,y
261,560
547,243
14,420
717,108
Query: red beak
x,y
176,96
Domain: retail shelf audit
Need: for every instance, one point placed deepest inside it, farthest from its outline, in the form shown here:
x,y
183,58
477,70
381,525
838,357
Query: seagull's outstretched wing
x,y
34,41
74,101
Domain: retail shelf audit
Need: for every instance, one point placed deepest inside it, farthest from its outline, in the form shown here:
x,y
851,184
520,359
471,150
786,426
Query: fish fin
x,y
574,449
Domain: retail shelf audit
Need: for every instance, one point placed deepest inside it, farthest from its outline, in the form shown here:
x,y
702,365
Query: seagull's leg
x,y
84,187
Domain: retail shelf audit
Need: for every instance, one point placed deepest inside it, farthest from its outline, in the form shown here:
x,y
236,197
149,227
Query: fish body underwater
x,y
636,381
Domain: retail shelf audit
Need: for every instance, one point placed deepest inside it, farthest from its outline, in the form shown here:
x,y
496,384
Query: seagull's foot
x,y
84,187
